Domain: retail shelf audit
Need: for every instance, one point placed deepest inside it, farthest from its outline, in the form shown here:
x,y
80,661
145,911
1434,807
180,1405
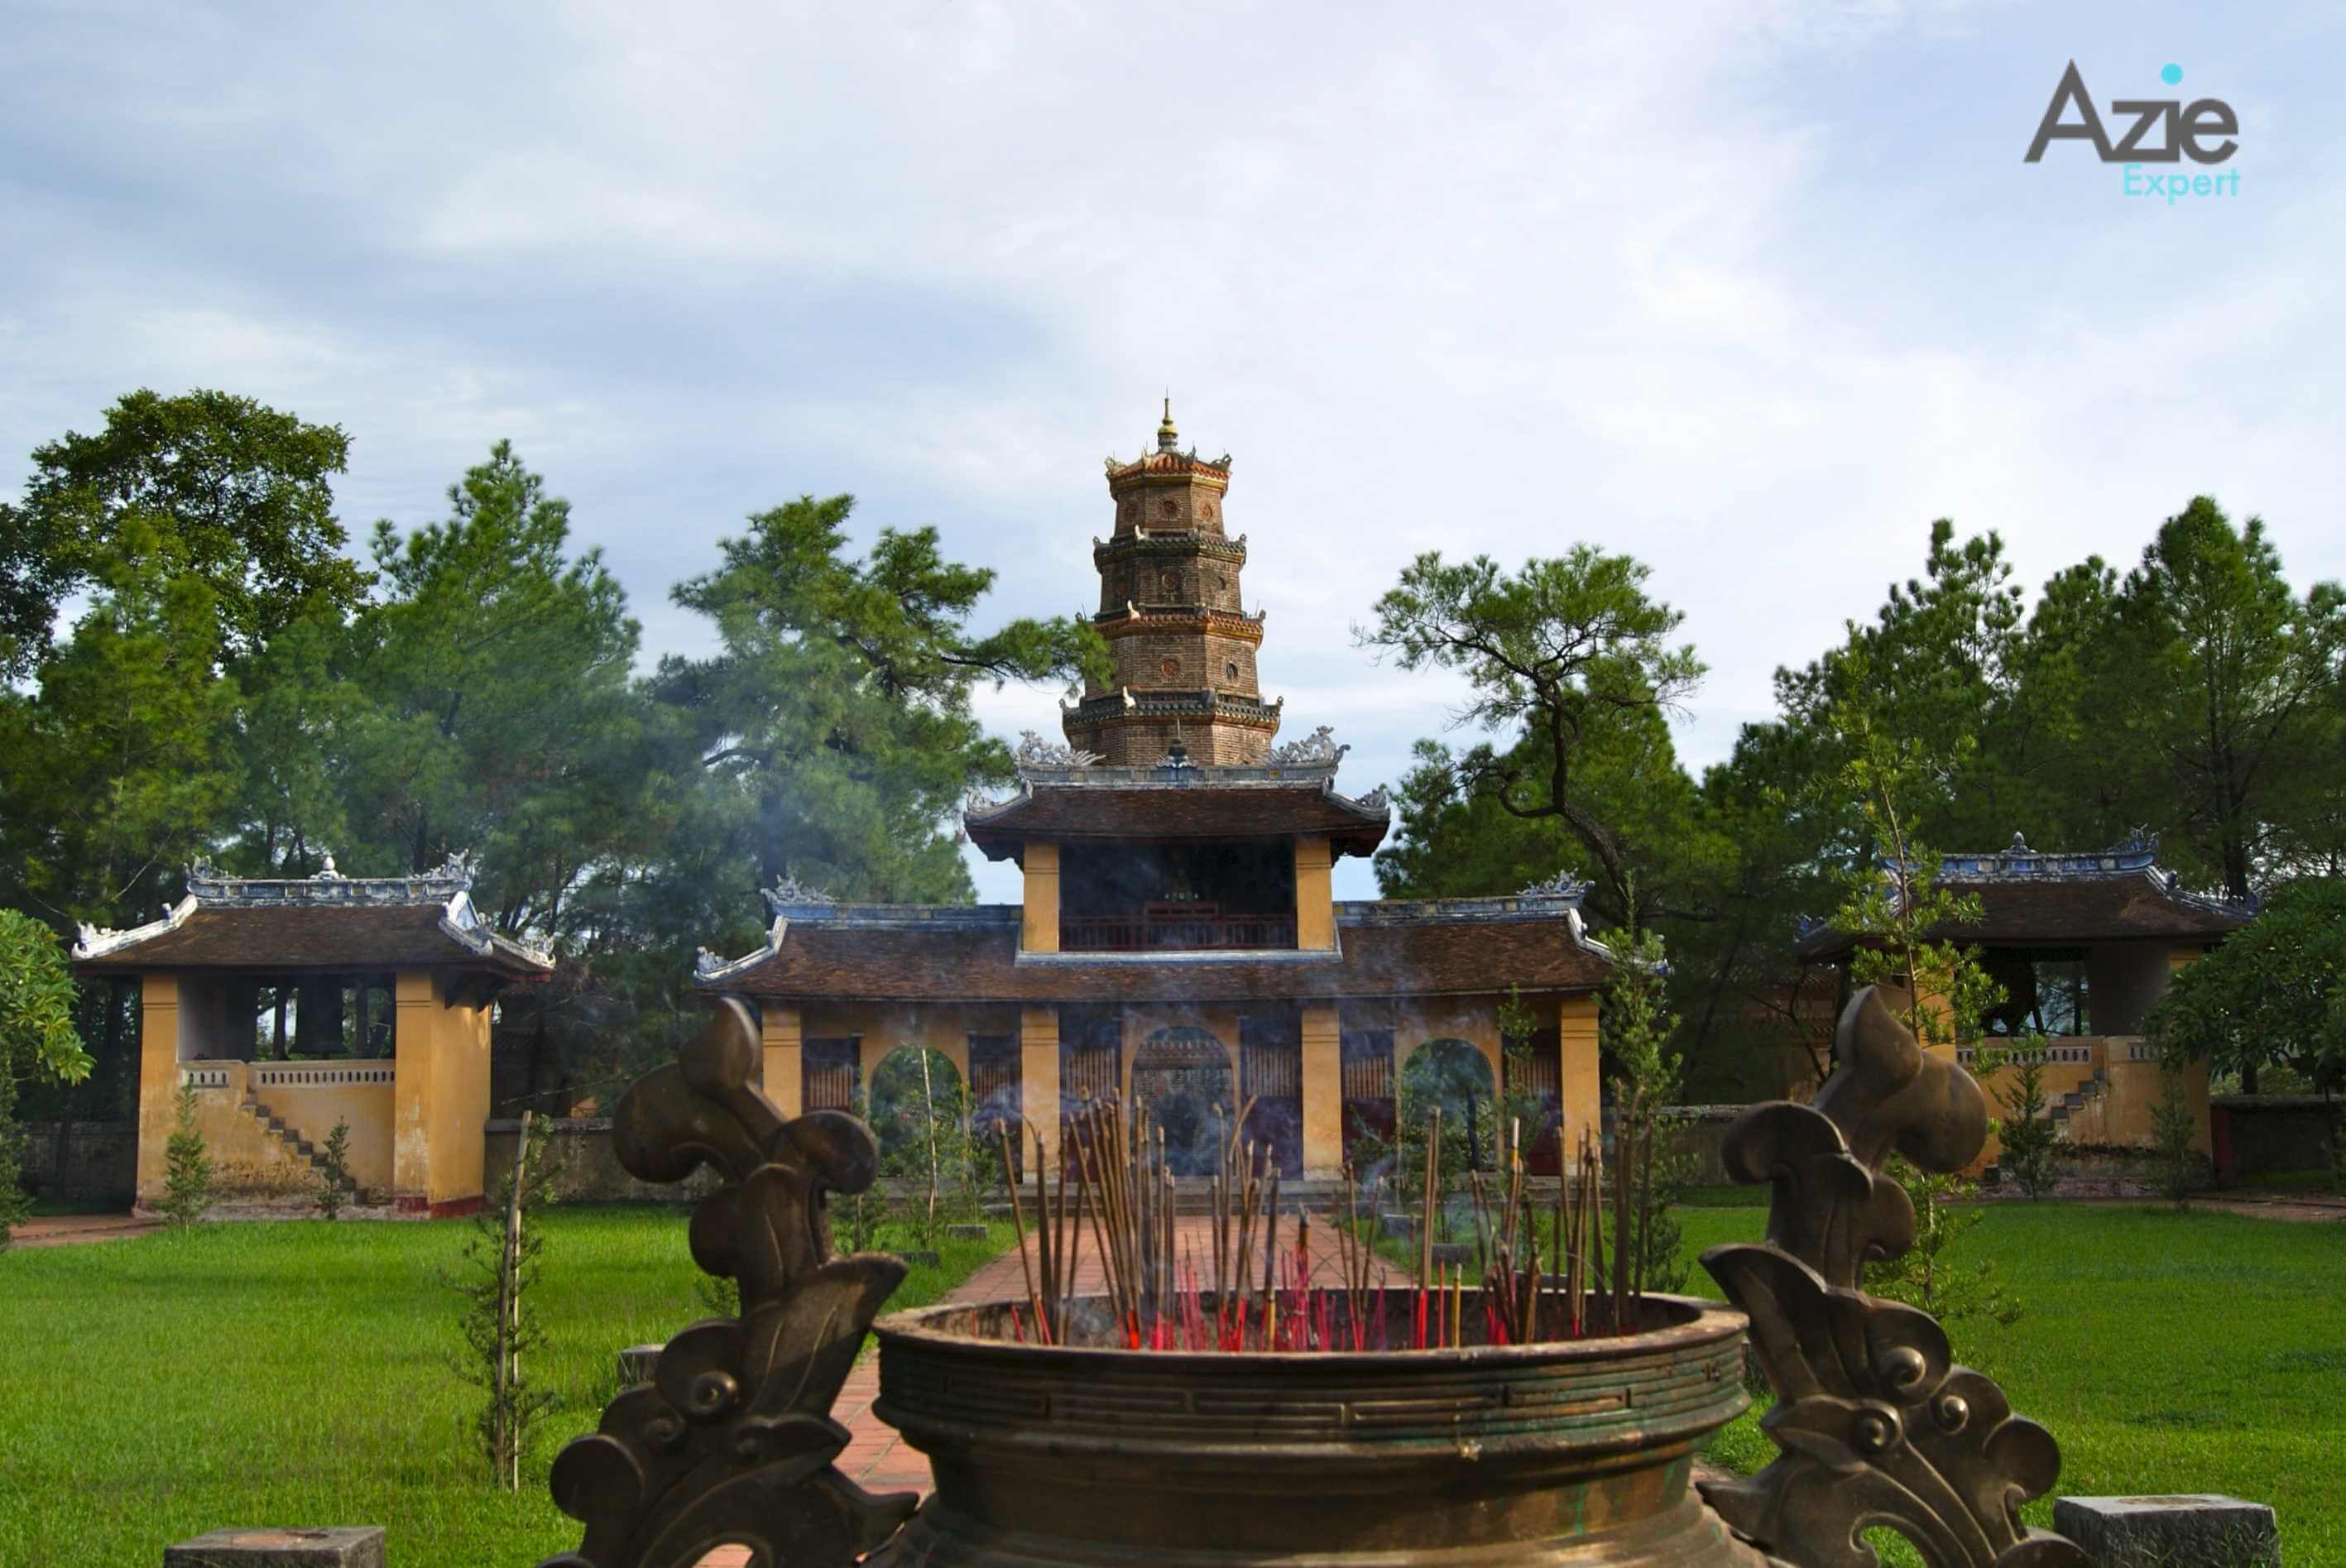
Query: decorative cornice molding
x,y
212,887
447,885
97,941
2137,852
1171,542
1238,625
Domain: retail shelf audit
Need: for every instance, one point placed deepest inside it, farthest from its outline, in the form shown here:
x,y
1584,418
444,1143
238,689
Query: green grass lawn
x,y
301,1373
2167,1352
298,1373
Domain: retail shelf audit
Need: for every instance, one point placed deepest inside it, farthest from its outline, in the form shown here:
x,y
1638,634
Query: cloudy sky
x,y
1753,290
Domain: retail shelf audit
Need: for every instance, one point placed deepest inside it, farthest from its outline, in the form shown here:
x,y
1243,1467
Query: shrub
x,y
186,1166
15,1204
334,1179
1925,1275
2027,1133
2172,1126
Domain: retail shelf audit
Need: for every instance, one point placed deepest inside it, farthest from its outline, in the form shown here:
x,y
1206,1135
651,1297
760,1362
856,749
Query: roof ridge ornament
x,y
1317,749
1563,885
791,893
1034,751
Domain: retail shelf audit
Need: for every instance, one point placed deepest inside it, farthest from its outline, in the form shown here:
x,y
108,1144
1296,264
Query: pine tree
x,y
2026,1134
187,1167
334,1181
501,1263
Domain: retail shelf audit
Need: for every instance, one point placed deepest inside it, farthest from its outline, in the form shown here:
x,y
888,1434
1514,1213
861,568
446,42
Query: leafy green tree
x,y
295,728
1937,989
497,671
37,1039
2226,687
1572,665
239,494
119,771
835,723
2274,993
1650,1171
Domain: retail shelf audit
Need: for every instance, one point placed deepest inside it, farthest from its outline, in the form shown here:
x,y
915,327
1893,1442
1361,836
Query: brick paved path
x,y
70,1230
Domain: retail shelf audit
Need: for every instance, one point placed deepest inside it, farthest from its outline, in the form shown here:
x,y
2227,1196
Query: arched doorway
x,y
1456,1076
913,1109
1181,1083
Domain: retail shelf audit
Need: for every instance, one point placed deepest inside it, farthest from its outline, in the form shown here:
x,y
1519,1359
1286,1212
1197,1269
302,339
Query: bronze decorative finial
x,y
731,1442
1878,1425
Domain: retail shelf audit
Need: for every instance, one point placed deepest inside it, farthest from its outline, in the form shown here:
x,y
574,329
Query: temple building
x,y
2081,945
1177,945
289,1006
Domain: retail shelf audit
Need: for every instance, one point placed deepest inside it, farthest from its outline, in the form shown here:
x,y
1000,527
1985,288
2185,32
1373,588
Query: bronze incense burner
x,y
1569,1452
1572,1450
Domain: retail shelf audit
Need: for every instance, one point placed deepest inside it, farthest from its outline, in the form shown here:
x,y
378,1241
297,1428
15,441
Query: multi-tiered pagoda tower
x,y
1171,608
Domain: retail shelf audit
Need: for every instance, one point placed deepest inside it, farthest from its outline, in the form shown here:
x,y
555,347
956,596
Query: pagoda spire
x,y
1172,611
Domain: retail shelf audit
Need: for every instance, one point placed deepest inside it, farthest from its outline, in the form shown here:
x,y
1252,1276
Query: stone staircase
x,y
293,1142
2076,1099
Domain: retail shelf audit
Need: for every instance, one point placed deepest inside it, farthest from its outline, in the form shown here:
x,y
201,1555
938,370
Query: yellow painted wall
x,y
158,1076
1038,1074
784,1065
460,1110
250,1160
1323,1090
415,1034
441,1099
1582,1074
1315,908
1038,928
2121,1114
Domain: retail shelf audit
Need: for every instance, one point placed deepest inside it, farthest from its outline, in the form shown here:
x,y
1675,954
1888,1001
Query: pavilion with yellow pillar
x,y
1177,945
289,1006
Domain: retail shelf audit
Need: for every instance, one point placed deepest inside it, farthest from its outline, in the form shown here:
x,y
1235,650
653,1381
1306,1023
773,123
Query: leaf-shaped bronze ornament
x,y
1877,1424
731,1442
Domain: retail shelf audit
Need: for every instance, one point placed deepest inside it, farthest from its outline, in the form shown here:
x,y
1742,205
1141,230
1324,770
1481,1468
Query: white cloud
x,y
1754,293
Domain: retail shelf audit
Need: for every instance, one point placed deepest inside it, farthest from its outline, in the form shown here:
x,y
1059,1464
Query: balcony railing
x,y
1188,929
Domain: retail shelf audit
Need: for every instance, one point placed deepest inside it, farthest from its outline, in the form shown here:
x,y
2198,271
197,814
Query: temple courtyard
x,y
164,1385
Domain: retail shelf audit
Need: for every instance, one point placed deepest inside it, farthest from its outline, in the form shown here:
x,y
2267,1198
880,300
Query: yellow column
x,y
1038,930
158,1077
1578,1076
459,1111
1315,905
1038,1074
783,1034
1323,1091
413,1058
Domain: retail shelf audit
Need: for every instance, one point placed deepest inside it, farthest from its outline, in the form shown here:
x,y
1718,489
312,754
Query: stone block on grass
x,y
341,1546
2193,1531
636,1362
966,1232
